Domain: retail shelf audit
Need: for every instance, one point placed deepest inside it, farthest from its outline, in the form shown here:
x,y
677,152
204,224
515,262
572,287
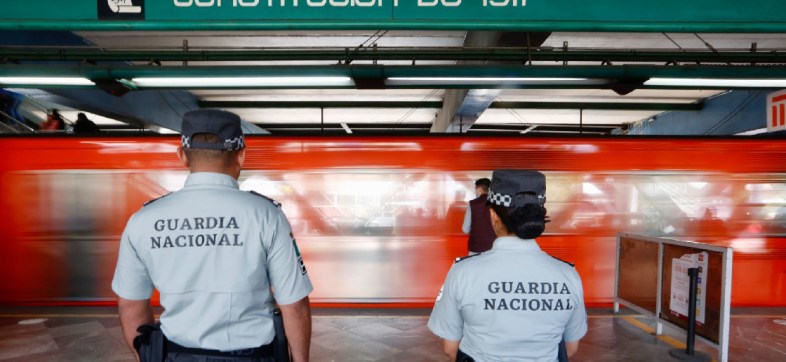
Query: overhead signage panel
x,y
547,15
49,10
276,10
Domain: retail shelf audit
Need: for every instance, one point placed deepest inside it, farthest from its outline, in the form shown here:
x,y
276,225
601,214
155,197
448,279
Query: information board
x,y
637,273
709,303
652,278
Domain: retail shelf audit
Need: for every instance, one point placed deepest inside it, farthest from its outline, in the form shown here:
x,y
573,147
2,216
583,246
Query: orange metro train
x,y
378,219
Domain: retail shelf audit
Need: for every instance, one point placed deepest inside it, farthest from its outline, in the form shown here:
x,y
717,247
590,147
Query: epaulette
x,y
465,257
156,199
274,202
571,264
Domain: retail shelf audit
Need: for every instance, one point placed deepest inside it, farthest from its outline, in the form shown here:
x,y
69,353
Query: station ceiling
x,y
559,101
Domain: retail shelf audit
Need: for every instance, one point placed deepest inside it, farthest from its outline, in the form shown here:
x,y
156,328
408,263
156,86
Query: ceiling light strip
x,y
219,82
716,82
46,81
403,81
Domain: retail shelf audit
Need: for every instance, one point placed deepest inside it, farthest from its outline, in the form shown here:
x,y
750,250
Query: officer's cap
x,y
225,125
505,184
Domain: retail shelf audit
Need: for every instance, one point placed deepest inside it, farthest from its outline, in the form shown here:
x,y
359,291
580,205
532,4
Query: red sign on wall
x,y
776,114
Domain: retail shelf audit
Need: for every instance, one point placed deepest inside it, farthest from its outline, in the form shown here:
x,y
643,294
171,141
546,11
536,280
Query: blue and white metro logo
x,y
124,7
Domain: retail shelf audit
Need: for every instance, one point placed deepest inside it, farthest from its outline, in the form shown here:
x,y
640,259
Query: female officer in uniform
x,y
514,302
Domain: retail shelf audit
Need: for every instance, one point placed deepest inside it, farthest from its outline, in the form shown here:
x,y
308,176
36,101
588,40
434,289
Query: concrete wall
x,y
726,114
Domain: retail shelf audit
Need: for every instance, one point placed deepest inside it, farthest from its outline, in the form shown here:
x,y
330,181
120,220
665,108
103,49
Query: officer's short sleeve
x,y
131,280
285,266
446,321
577,324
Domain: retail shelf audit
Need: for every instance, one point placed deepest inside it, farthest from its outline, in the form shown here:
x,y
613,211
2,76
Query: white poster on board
x,y
680,284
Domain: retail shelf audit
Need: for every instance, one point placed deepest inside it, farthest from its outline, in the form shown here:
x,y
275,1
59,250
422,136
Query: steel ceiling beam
x,y
620,106
408,54
617,106
317,104
608,73
522,127
338,126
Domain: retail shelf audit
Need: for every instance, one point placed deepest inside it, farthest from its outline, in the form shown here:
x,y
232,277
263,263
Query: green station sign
x,y
529,15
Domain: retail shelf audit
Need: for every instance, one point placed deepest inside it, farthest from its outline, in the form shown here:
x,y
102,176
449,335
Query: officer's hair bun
x,y
527,221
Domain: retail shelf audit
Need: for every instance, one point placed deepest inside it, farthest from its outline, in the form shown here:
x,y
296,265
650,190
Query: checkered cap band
x,y
499,199
234,144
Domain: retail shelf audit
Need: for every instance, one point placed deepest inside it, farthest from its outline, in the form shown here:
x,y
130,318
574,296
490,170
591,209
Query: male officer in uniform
x,y
214,253
477,222
514,302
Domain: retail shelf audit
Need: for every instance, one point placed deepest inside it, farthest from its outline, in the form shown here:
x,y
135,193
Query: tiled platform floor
x,y
93,334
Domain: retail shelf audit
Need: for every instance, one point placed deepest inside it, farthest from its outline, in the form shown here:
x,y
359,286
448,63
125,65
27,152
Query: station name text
x,y
340,3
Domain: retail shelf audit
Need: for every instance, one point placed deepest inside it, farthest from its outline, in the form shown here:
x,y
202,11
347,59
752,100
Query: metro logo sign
x,y
121,9
776,116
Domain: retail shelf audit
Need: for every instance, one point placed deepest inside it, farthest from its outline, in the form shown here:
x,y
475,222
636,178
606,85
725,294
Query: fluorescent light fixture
x,y
717,82
491,81
212,82
46,80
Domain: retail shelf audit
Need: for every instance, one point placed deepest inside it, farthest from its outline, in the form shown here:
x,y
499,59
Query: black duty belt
x,y
259,352
463,357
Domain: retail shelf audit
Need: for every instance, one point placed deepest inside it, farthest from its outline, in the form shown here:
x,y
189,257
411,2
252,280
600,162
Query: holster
x,y
151,343
463,357
280,343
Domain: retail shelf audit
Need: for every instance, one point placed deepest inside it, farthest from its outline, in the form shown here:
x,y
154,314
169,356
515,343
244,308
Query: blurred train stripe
x,y
629,318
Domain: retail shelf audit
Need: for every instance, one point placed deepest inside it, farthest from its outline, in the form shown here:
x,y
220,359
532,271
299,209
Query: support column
x,y
462,107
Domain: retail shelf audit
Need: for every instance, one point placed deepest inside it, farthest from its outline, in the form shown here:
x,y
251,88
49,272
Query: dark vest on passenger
x,y
481,234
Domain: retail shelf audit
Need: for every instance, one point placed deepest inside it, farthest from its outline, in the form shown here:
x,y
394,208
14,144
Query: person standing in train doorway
x,y
214,253
514,302
477,222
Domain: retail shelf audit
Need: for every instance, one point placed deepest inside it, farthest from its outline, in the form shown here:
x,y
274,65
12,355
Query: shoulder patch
x,y
465,257
571,264
274,202
156,199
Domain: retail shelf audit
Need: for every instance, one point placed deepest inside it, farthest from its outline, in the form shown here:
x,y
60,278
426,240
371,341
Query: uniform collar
x,y
514,243
211,178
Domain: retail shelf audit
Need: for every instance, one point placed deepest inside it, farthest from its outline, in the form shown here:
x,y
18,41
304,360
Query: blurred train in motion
x,y
378,220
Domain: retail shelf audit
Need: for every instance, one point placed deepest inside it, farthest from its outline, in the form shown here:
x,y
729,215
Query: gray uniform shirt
x,y
213,252
512,303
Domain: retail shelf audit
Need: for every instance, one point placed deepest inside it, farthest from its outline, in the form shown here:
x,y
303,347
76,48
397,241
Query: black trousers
x,y
463,357
185,357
